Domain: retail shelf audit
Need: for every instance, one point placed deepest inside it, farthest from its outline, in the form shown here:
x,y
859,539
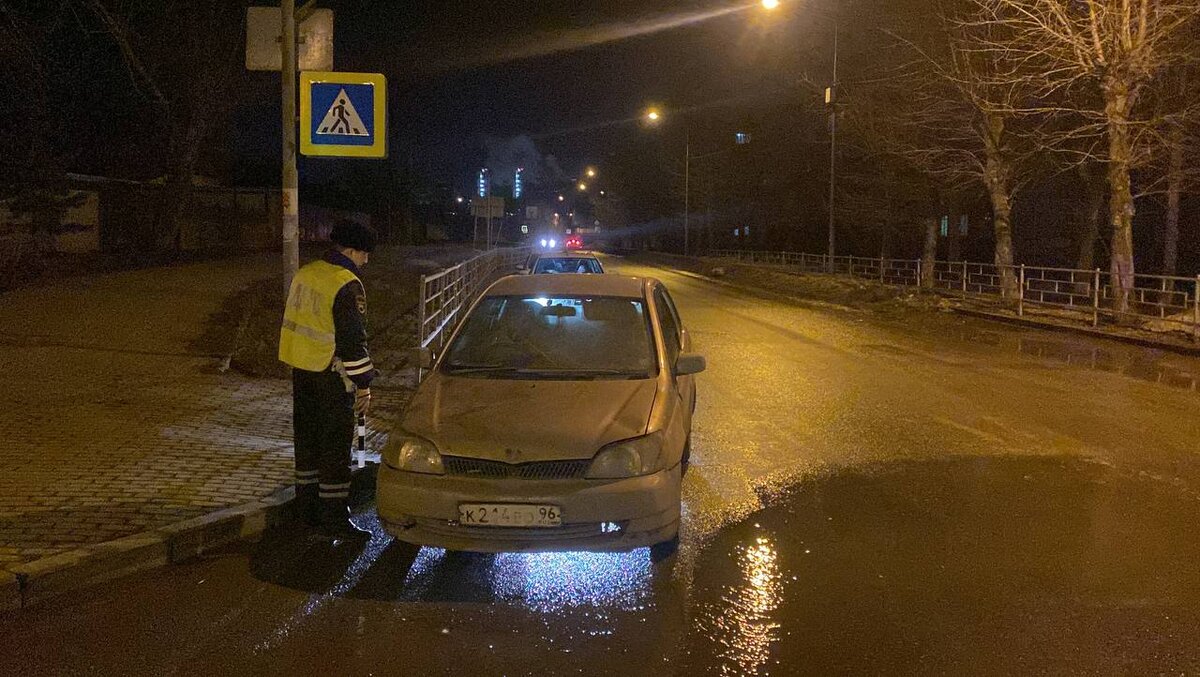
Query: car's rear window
x,y
572,264
560,337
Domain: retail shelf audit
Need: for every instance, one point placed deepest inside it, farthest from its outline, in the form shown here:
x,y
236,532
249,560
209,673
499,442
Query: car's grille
x,y
541,470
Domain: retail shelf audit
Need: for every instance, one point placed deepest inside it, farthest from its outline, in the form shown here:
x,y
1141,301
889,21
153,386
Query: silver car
x,y
558,418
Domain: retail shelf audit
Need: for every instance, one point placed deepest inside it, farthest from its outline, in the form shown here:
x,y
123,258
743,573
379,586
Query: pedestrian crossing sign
x,y
343,114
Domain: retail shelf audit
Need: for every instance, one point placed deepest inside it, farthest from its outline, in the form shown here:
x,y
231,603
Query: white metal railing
x,y
447,294
1165,299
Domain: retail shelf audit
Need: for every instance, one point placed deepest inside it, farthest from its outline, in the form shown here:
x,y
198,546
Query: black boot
x,y
336,524
308,506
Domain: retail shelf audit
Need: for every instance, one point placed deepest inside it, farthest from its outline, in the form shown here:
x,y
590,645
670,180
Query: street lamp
x,y
591,172
770,4
582,186
653,117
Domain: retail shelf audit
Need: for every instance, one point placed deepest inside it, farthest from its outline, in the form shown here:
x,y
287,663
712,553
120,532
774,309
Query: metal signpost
x,y
271,45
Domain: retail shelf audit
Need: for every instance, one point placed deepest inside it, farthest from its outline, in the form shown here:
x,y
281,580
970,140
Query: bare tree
x,y
956,118
1071,50
179,59
1177,136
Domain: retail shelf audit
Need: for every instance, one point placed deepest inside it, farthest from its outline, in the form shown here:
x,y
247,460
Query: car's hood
x,y
517,421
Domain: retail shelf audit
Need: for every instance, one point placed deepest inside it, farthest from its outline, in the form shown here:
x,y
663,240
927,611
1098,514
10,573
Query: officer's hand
x,y
362,401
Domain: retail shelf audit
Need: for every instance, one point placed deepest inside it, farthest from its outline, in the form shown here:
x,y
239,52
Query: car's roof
x,y
598,285
567,255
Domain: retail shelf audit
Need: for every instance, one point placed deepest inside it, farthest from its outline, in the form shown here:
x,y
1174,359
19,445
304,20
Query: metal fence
x,y
448,294
1167,301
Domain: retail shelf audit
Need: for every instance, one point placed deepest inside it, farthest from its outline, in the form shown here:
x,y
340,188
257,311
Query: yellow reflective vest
x,y
306,340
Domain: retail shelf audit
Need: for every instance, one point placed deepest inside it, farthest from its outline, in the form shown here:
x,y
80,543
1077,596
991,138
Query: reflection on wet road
x,y
867,494
998,566
547,582
1147,365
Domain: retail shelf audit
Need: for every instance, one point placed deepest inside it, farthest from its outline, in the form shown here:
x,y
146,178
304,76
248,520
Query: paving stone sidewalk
x,y
115,419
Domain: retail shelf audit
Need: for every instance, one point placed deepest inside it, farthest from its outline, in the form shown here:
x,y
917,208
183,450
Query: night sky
x,y
461,73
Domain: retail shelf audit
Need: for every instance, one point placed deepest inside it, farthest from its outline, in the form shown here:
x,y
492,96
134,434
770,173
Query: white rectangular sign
x,y
314,40
488,207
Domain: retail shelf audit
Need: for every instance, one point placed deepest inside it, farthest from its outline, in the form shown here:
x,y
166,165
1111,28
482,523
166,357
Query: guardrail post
x,y
1096,299
964,279
420,325
881,276
1021,293
1162,301
1196,311
918,273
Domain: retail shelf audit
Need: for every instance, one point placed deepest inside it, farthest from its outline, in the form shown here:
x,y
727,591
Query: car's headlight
x,y
413,454
628,458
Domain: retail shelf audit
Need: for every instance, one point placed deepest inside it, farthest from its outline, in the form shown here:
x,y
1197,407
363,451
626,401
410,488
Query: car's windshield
x,y
567,264
561,337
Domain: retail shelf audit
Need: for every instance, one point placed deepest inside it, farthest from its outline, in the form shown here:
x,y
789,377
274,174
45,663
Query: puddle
x,y
1144,365
992,565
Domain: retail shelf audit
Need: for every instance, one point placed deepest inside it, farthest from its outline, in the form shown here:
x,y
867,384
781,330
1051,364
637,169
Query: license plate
x,y
509,515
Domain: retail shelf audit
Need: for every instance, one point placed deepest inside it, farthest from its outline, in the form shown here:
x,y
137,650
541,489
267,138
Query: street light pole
x,y
687,189
290,195
833,144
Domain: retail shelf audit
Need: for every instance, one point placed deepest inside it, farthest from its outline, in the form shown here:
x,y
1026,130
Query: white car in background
x,y
558,418
564,263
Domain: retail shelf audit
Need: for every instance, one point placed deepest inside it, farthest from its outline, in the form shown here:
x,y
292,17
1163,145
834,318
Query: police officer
x,y
324,339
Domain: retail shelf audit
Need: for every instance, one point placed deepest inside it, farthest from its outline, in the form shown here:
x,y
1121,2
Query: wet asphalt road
x,y
868,495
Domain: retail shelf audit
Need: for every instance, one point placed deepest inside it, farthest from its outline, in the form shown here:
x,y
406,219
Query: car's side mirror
x,y
423,357
689,363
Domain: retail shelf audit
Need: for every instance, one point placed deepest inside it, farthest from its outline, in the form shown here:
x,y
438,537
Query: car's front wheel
x,y
662,551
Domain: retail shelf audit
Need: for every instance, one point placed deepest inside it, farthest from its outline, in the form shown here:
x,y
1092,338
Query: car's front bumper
x,y
597,515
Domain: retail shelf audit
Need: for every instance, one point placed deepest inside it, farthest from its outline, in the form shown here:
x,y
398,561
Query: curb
x,y
746,289
1177,348
25,585
10,591
1189,351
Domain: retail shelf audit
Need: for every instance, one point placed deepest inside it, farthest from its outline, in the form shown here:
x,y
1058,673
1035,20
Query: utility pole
x,y
832,96
290,195
687,189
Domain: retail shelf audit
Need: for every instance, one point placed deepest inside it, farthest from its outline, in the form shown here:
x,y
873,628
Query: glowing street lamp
x,y
591,172
582,186
770,4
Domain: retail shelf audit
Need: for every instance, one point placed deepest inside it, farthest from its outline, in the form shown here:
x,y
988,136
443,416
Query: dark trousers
x,y
323,429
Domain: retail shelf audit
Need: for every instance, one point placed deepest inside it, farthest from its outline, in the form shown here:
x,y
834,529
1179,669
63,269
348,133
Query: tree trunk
x,y
929,254
1174,192
1089,230
998,179
953,242
1119,102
